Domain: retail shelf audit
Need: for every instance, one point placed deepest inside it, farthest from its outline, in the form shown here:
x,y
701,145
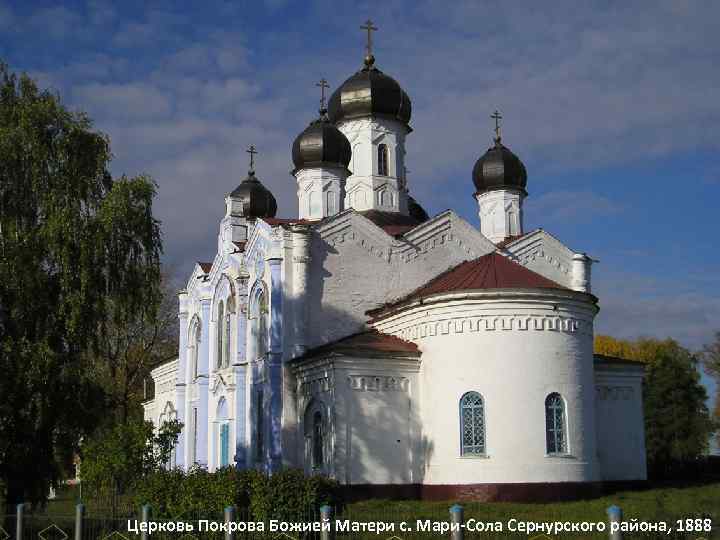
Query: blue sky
x,y
612,106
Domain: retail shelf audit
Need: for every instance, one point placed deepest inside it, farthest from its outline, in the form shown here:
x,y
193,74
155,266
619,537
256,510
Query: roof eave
x,y
382,312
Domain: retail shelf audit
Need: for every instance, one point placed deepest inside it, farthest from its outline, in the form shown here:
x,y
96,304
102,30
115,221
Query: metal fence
x,y
327,523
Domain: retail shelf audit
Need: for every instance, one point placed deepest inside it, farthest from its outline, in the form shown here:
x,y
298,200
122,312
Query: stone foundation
x,y
515,492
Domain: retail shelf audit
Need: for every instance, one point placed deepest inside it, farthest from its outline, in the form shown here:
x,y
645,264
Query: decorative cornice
x,y
378,383
414,331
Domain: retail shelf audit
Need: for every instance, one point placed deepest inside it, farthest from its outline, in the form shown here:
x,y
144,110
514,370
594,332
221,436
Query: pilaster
x,y
274,364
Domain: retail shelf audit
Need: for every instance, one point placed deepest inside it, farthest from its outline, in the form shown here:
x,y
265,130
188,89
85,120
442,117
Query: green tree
x,y
129,349
119,456
677,421
711,361
678,425
79,251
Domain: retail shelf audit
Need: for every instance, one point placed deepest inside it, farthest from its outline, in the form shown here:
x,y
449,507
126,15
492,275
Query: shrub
x,y
198,494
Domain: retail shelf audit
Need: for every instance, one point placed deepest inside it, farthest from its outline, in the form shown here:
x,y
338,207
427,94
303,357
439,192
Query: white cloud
x,y
574,206
123,102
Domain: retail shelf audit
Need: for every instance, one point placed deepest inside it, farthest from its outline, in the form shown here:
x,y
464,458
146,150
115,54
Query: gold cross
x,y
251,150
497,117
323,84
370,28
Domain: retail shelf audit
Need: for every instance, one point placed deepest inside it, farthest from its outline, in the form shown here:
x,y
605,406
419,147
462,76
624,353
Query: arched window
x,y
317,441
555,424
219,328
223,434
330,203
194,350
226,340
260,324
169,414
382,160
315,429
472,425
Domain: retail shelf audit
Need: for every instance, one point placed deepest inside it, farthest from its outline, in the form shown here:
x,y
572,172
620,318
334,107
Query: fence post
x,y
229,518
145,518
615,516
79,515
457,519
19,523
326,517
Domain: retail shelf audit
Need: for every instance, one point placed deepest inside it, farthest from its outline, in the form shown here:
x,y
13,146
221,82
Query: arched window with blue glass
x,y
472,425
223,434
555,424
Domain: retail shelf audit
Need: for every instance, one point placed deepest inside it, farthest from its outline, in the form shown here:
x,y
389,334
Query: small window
x,y
330,202
382,160
555,424
194,351
317,440
472,425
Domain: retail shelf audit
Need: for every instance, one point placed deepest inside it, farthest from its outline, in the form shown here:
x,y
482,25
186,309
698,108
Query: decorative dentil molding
x,y
315,385
378,383
614,393
491,323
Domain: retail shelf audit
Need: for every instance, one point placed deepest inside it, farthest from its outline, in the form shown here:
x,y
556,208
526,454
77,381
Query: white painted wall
x,y
373,404
366,189
541,252
355,267
501,213
515,349
620,424
321,192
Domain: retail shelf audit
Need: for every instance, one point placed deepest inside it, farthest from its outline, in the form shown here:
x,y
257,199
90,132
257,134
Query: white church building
x,y
401,354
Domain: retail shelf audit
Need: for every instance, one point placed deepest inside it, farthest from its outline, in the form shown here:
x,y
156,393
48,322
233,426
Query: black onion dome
x,y
256,199
416,211
321,144
499,168
370,93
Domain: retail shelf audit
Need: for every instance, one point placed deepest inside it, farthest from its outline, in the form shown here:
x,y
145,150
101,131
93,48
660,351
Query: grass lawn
x,y
665,504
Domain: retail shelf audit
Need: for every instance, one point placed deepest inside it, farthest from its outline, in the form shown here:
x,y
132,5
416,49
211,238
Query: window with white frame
x,y
382,160
194,350
259,326
555,424
223,433
472,425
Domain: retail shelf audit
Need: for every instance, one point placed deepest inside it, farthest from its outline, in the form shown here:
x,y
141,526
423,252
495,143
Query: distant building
x,y
393,351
